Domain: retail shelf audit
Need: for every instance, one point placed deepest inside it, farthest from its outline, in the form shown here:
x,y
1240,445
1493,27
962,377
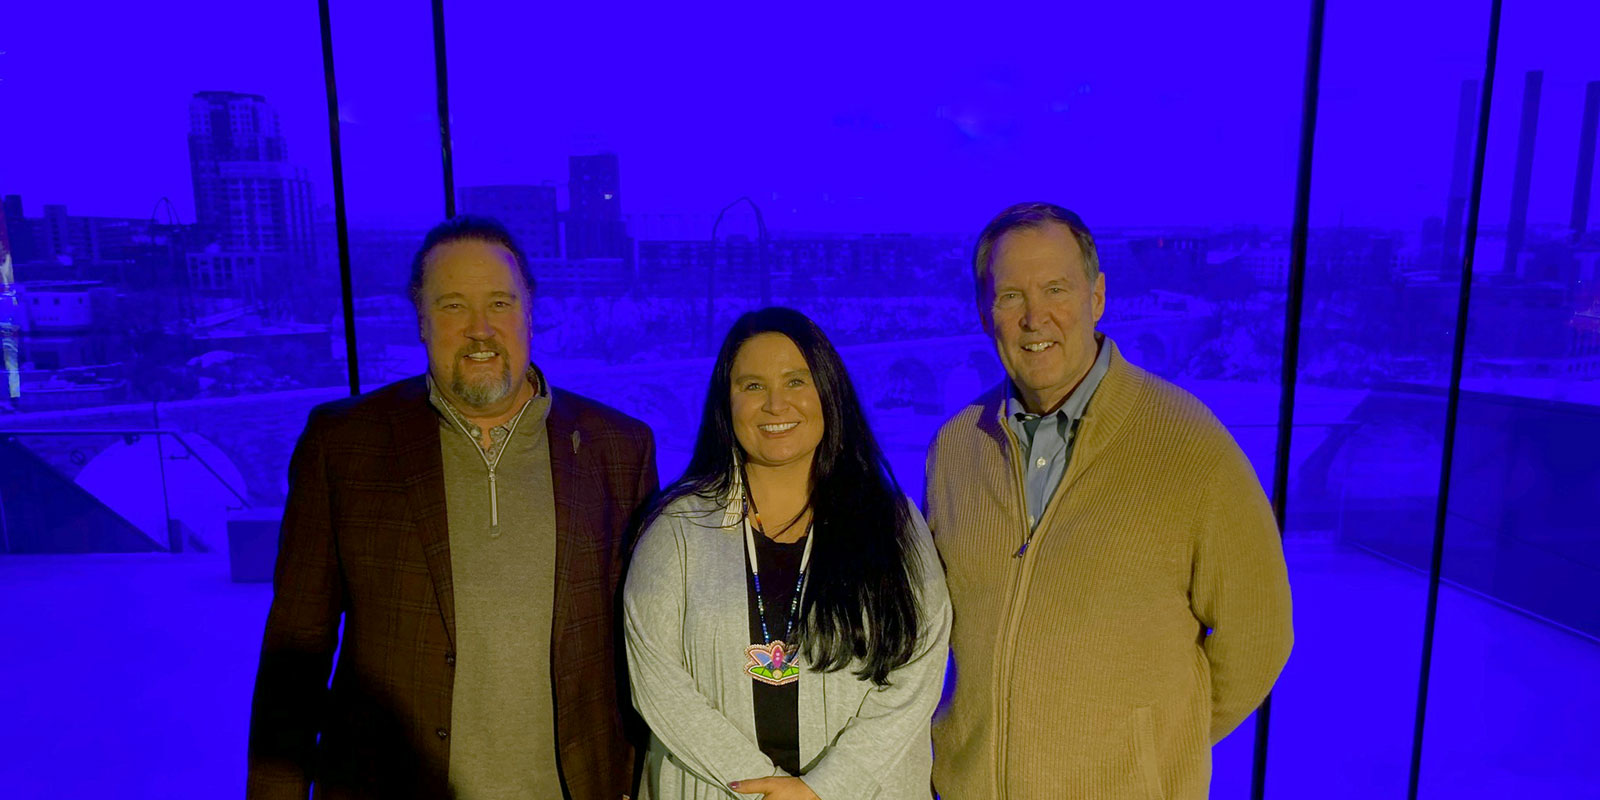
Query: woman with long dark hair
x,y
785,611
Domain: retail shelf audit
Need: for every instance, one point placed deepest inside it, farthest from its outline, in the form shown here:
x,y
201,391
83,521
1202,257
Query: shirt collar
x,y
1078,401
534,376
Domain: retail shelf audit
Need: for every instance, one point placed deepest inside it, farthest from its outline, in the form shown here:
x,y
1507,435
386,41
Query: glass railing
x,y
115,490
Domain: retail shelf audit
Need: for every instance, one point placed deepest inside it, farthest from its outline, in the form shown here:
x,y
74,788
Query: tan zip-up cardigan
x,y
1083,666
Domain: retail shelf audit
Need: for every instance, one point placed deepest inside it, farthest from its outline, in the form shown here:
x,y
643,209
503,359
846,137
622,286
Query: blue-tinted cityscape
x,y
159,366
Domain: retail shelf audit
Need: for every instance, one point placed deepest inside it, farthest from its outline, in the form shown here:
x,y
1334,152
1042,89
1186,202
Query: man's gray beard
x,y
483,394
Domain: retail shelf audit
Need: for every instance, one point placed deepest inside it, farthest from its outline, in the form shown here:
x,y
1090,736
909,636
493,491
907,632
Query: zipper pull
x,y
494,501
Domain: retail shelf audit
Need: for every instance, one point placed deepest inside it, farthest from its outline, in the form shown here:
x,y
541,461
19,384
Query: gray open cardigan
x,y
686,622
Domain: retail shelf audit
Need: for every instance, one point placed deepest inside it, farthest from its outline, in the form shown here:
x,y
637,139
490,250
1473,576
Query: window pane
x,y
1383,258
1513,697
166,214
393,174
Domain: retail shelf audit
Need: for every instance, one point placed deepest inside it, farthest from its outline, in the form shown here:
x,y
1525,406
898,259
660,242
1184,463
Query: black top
x,y
777,708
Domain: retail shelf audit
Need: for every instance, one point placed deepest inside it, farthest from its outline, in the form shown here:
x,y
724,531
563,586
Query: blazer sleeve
x,y
301,634
649,481
639,503
1240,590
638,506
699,737
895,717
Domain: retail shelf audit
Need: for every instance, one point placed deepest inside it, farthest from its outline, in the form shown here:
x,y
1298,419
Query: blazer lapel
x,y
567,455
415,428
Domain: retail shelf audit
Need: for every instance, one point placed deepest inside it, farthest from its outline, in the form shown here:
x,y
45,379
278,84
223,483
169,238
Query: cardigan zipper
x,y
1019,587
1028,525
1014,606
1033,527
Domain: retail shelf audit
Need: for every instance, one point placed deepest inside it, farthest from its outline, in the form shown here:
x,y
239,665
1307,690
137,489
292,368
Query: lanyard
x,y
755,575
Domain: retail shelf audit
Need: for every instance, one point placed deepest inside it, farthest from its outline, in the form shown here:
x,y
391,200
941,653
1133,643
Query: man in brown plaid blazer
x,y
395,553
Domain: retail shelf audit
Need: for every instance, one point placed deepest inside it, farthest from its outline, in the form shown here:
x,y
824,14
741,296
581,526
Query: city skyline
x,y
254,218
957,137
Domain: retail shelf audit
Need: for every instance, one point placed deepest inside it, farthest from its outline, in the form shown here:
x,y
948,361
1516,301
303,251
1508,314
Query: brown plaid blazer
x,y
364,541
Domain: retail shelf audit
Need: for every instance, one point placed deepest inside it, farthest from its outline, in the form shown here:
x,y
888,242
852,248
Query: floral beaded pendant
x,y
770,664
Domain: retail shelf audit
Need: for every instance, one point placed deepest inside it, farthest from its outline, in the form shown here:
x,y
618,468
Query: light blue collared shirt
x,y
1049,446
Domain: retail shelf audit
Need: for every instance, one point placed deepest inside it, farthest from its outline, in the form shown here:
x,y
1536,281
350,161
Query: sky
x,y
895,118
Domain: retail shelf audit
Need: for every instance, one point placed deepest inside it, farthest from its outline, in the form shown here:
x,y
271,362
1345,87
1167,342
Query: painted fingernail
x,y
734,786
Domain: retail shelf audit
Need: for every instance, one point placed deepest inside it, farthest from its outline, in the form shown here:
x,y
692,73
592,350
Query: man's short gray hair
x,y
467,227
1027,216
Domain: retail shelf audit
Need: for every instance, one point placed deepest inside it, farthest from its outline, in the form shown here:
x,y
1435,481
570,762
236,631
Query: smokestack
x,y
1580,193
1460,175
1531,87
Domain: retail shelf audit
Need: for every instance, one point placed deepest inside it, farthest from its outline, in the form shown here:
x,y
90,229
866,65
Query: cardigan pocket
x,y
1144,752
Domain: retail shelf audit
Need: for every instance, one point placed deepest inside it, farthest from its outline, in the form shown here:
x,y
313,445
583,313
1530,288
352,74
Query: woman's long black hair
x,y
860,602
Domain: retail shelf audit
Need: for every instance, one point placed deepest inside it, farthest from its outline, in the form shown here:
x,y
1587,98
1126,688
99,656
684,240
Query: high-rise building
x,y
123,251
594,208
1516,229
248,198
529,212
1586,143
10,329
1460,178
18,231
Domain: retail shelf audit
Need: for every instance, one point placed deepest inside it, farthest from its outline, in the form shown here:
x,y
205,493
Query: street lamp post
x,y
711,265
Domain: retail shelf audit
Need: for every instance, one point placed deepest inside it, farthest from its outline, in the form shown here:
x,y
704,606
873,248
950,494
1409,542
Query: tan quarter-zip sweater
x,y
501,513
1083,666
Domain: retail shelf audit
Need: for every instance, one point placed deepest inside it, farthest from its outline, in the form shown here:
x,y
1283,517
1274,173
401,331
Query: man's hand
x,y
776,788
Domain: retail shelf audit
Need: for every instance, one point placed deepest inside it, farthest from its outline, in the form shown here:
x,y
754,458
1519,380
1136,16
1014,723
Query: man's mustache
x,y
488,345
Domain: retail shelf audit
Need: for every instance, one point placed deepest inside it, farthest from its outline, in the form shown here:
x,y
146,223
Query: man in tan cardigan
x,y
1120,597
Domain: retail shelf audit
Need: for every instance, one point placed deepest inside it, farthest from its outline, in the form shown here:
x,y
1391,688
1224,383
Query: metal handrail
x,y
135,432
